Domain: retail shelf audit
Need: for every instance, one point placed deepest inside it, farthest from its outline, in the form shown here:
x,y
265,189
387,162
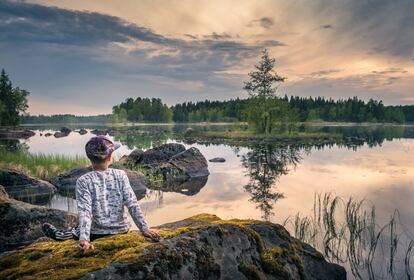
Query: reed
x,y
43,166
347,232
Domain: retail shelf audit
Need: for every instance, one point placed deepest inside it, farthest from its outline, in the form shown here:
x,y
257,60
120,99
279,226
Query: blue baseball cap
x,y
100,147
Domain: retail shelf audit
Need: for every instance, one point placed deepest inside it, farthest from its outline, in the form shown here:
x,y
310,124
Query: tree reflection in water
x,y
264,164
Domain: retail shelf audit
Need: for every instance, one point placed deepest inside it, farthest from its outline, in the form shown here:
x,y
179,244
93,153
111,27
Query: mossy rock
x,y
199,247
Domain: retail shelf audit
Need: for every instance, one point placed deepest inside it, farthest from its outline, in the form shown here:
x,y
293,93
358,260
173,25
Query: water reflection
x,y
264,165
365,162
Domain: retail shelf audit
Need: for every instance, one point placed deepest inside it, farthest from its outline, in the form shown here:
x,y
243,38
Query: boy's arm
x,y
131,202
84,205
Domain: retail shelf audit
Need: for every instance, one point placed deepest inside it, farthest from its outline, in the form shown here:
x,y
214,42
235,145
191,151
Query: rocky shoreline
x,y
199,247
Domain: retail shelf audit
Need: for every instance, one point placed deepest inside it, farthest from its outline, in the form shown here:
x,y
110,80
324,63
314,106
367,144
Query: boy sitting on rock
x,y
101,196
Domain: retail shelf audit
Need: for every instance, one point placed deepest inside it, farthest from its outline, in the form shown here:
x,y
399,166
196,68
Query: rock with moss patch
x,y
200,247
170,160
24,187
20,222
15,133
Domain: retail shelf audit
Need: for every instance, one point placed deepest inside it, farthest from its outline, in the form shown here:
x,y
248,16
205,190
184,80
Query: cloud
x,y
324,72
80,50
82,56
265,22
327,26
216,36
24,22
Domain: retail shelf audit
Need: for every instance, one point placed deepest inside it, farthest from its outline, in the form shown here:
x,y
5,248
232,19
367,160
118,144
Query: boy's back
x,y
101,197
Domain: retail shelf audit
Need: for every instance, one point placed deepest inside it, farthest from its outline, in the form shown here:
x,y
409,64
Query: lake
x,y
276,181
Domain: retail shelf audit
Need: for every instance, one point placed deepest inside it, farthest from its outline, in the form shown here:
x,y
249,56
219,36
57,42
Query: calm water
x,y
274,181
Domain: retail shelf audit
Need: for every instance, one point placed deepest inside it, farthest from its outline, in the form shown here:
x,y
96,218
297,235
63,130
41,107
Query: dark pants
x,y
73,233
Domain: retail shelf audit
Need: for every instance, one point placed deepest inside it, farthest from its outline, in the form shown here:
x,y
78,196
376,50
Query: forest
x,y
307,109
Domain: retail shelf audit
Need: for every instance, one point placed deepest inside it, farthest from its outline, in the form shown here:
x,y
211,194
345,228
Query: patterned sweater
x,y
101,197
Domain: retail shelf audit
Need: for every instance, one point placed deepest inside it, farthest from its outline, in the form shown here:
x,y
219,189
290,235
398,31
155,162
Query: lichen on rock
x,y
200,247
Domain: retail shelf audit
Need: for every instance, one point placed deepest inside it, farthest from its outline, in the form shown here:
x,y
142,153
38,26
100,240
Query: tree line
x,y
65,119
13,101
264,110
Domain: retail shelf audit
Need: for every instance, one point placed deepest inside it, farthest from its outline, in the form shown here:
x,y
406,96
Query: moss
x,y
64,260
275,259
250,271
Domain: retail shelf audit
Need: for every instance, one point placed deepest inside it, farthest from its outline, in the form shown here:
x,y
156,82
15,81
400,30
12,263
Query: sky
x,y
84,56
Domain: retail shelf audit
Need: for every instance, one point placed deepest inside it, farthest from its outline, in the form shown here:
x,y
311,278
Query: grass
x,y
346,231
42,166
64,260
238,134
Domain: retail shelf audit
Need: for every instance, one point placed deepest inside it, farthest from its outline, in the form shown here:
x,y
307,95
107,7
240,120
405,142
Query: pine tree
x,y
262,89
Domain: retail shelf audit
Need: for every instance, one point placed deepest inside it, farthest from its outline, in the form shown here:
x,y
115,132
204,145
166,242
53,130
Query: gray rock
x,y
66,182
171,160
218,250
189,132
190,186
82,131
155,156
21,223
65,130
100,132
24,187
191,162
15,133
217,159
48,134
59,134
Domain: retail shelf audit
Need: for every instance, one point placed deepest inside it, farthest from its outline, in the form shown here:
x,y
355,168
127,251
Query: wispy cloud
x,y
72,51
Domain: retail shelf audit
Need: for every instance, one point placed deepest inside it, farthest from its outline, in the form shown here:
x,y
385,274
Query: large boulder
x,y
191,186
24,187
21,223
66,182
155,156
190,162
64,131
15,133
170,160
200,247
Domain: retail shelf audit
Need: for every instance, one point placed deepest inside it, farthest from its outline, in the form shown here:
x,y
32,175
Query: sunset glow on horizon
x,y
83,57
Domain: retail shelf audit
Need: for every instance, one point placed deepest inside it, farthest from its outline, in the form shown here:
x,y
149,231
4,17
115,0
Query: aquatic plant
x,y
43,166
347,232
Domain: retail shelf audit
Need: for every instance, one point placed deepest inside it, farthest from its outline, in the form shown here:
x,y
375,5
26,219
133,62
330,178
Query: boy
x,y
101,196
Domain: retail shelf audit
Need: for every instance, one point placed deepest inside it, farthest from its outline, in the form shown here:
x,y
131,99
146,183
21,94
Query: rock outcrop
x,y
217,159
15,133
66,182
200,247
24,187
170,160
100,132
21,223
64,131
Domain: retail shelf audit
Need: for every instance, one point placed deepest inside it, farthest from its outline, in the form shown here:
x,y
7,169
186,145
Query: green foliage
x,y
142,110
210,111
41,165
13,101
345,110
265,109
65,119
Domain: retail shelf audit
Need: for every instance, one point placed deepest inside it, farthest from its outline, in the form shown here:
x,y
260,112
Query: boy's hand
x,y
154,235
85,245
